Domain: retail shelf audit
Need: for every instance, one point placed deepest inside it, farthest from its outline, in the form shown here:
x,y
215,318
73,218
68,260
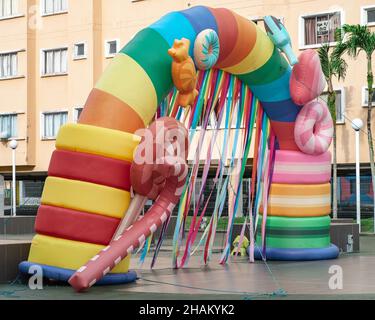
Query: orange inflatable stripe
x,y
298,212
297,200
104,110
245,43
292,190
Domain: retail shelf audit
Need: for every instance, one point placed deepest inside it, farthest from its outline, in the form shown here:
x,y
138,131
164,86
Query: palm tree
x,y
332,66
352,39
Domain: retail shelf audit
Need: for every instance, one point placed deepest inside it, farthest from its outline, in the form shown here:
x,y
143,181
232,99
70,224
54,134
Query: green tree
x,y
333,66
354,39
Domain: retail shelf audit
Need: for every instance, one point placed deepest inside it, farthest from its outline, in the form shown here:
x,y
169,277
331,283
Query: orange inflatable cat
x,y
184,74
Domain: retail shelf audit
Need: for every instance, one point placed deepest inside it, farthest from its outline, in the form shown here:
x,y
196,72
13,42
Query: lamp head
x,y
13,144
357,124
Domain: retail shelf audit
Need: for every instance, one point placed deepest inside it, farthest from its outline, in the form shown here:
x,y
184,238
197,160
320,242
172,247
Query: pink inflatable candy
x,y
307,81
314,128
296,167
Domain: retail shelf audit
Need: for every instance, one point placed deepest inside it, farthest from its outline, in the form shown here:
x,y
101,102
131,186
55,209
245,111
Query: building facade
x,y
53,51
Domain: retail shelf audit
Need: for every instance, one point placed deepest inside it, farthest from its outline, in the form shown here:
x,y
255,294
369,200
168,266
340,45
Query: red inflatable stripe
x,y
90,168
285,134
227,31
75,225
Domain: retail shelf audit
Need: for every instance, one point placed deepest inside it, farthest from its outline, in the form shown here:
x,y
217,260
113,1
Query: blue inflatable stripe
x,y
275,91
279,254
173,26
63,275
200,18
283,111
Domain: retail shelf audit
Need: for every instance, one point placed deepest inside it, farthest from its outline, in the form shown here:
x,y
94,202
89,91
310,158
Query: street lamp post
x,y
13,144
357,125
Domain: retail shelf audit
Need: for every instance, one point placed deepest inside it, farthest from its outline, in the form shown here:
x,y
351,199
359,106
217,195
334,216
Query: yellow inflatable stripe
x,y
260,54
85,196
67,254
96,140
292,211
126,80
314,200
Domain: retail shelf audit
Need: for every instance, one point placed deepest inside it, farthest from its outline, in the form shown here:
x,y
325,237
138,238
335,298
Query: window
x,y
8,65
54,61
8,126
54,6
365,97
368,15
80,51
340,104
8,8
77,113
30,192
52,121
111,48
320,28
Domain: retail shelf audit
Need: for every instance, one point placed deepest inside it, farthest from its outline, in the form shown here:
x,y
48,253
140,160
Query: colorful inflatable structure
x,y
88,225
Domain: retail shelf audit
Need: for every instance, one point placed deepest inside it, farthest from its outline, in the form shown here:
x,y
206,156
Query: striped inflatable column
x,y
84,198
87,190
298,222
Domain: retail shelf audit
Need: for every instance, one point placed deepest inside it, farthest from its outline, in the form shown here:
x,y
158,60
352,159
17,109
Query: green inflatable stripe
x,y
150,50
285,232
295,232
301,242
297,223
272,70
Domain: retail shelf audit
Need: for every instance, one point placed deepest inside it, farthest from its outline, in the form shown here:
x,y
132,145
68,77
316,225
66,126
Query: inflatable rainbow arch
x,y
87,191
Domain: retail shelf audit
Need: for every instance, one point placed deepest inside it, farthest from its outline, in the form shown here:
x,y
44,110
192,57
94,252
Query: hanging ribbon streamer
x,y
222,99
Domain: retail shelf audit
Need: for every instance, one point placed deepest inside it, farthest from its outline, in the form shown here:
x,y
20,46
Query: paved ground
x,y
237,280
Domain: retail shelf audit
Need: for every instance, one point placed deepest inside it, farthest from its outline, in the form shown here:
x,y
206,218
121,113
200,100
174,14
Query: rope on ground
x,y
278,292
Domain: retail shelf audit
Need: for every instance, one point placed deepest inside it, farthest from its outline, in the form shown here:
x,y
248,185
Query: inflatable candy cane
x,y
87,192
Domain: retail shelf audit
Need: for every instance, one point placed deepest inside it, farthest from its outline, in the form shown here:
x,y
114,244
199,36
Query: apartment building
x,y
53,51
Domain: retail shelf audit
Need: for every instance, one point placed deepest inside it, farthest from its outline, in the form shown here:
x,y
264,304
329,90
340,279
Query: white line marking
x,y
95,258
164,217
106,271
117,261
171,207
83,268
92,283
153,228
141,239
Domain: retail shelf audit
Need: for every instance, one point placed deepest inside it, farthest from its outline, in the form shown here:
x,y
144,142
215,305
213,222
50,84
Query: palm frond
x,y
323,53
356,38
339,67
